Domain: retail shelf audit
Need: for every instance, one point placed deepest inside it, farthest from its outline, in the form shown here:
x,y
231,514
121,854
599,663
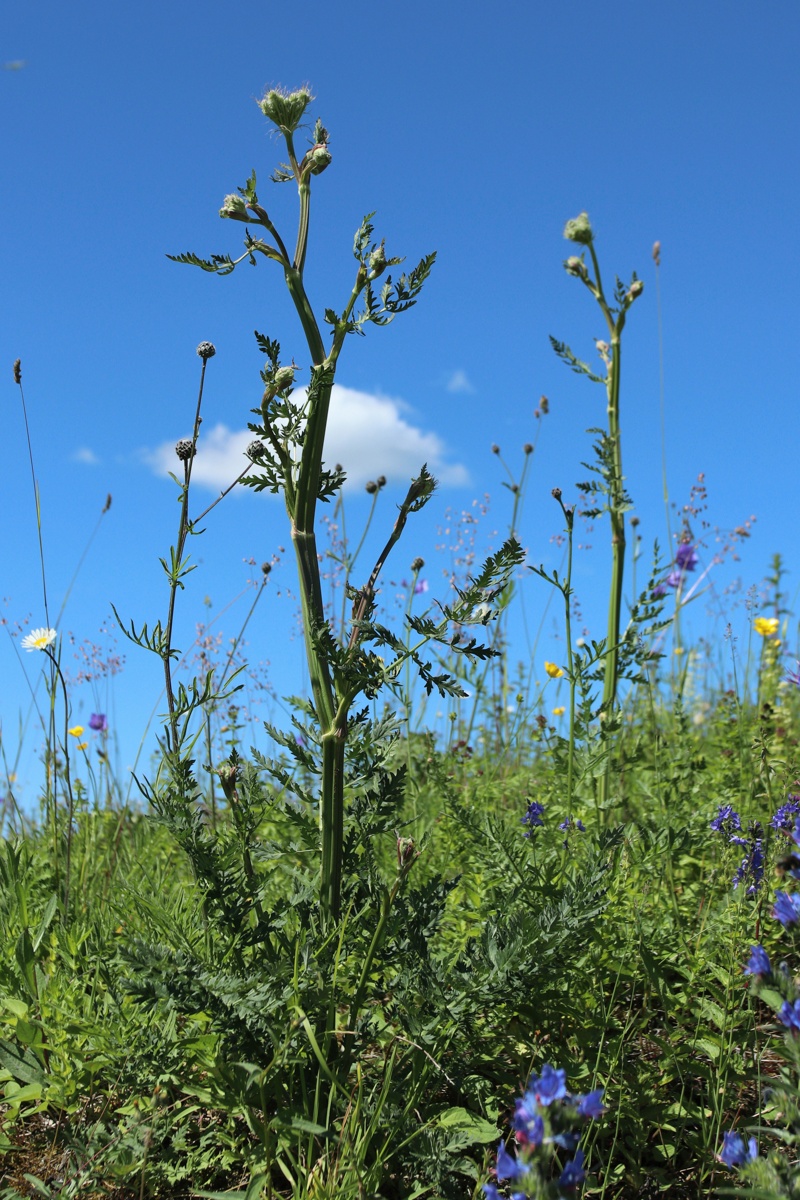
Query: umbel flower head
x,y
285,109
579,229
39,639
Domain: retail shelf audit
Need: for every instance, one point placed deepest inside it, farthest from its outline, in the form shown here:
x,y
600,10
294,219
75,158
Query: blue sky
x,y
472,130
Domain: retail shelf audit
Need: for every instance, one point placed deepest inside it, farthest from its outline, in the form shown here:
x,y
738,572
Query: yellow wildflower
x,y
559,712
82,745
553,670
76,731
766,626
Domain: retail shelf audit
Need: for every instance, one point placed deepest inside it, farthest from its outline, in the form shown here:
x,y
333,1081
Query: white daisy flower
x,y
39,639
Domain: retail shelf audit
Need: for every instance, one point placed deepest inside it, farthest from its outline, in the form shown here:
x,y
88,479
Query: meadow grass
x,y
361,959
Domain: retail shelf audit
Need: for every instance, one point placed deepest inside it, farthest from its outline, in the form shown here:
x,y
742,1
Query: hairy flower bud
x,y
544,404
185,449
234,207
579,229
381,481
285,109
556,493
17,370
206,350
527,448
495,448
284,378
576,266
417,564
377,262
255,450
266,568
319,157
636,289
371,487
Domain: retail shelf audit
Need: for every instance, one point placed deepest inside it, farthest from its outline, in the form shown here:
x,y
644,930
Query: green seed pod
x,y
319,158
579,229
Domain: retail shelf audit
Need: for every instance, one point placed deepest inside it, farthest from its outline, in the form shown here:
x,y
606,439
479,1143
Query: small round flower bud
x,y
233,206
371,487
381,481
17,370
636,289
185,449
657,253
527,448
556,493
377,262
544,404
206,350
576,266
266,568
634,521
579,229
418,564
284,378
495,448
255,450
319,158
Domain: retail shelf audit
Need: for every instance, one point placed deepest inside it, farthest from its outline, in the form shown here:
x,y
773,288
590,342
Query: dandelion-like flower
x,y
553,670
559,711
39,639
766,626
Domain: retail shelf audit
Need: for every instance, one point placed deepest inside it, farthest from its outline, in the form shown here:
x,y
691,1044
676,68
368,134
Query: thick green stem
x,y
617,508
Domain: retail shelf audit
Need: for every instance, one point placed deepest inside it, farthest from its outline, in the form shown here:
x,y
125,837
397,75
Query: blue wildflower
x,y
533,816
685,557
591,1106
787,908
573,823
758,963
752,865
567,1141
734,1153
550,1086
789,1015
509,1167
726,820
573,1174
783,818
527,1122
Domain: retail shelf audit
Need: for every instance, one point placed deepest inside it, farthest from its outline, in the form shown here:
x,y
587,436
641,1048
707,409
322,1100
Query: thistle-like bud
x,y
636,289
377,262
206,350
381,481
579,229
495,448
185,449
266,568
255,450
285,109
319,157
544,404
418,564
556,493
17,370
284,378
527,448
234,207
576,266
371,487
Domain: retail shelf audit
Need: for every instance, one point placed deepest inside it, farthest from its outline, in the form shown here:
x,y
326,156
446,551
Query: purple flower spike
x,y
685,556
552,1085
734,1153
787,908
789,1015
592,1106
758,963
98,722
533,816
786,814
527,1122
726,820
573,1174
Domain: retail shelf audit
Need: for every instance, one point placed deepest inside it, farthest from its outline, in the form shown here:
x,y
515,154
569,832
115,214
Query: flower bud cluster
x,y
548,1121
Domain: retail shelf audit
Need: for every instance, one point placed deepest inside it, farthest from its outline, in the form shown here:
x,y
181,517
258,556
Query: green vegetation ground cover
x,y
330,967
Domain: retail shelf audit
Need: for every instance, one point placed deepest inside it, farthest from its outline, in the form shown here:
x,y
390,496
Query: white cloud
x,y
85,455
459,382
369,435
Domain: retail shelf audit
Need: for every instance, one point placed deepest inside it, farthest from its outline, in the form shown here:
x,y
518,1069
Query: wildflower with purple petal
x,y
758,963
789,1015
550,1086
533,816
573,1174
674,579
784,817
573,823
527,1122
752,865
794,676
685,556
591,1106
787,908
659,590
734,1153
726,820
98,722
491,1193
